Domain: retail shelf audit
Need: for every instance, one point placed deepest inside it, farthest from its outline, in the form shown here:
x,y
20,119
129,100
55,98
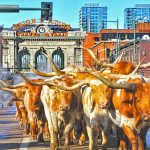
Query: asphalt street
x,y
11,137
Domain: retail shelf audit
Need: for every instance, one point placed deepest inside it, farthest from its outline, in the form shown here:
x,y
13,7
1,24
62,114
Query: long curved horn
x,y
103,64
4,83
43,74
119,58
12,86
137,67
129,75
92,69
66,88
6,89
52,64
128,86
54,85
56,70
145,66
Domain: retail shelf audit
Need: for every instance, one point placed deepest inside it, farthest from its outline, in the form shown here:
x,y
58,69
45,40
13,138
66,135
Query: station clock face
x,y
41,29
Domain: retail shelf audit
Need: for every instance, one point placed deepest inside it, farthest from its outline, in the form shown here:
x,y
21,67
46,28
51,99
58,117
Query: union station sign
x,y
25,43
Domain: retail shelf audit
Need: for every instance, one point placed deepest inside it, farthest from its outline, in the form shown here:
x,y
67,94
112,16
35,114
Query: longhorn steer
x,y
61,107
58,103
18,95
34,106
95,116
117,69
21,109
132,104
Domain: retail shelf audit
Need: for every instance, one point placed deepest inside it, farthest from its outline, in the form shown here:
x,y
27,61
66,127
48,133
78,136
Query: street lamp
x,y
117,46
117,34
17,40
135,22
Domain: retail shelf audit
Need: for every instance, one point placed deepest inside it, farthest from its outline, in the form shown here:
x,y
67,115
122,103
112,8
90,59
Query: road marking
x,y
25,143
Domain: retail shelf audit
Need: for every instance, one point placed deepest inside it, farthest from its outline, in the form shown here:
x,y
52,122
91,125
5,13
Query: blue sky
x,y
67,10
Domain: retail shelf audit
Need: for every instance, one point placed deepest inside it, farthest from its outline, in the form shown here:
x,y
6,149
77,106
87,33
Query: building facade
x,y
140,13
142,51
26,42
92,17
106,46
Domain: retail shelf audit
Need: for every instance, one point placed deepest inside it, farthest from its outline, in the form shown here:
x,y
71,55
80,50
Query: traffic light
x,y
46,14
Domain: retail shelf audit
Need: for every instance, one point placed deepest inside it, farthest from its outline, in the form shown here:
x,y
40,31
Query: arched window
x,y
24,59
41,61
58,58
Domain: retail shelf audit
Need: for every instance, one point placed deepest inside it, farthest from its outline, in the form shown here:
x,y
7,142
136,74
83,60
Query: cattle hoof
x,y
40,139
93,126
75,140
47,135
104,147
54,147
93,148
21,123
25,132
66,148
71,141
60,134
81,142
28,128
34,137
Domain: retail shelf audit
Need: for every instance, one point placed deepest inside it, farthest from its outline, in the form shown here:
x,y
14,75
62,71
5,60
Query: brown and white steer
x,y
131,107
21,111
34,106
61,107
95,116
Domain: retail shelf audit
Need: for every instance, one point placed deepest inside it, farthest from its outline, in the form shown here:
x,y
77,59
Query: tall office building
x,y
92,17
140,13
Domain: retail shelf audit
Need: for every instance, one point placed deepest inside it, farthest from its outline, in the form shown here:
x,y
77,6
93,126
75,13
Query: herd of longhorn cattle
x,y
83,103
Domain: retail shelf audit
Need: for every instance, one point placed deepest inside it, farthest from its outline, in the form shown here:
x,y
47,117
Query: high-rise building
x,y
140,13
93,18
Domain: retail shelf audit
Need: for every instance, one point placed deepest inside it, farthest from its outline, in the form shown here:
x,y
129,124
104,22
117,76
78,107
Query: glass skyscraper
x,y
93,17
140,13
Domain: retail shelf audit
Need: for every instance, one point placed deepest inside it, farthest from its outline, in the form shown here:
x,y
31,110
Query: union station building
x,y
25,42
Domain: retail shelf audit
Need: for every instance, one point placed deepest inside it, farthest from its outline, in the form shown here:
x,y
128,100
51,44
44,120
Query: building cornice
x,y
36,38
